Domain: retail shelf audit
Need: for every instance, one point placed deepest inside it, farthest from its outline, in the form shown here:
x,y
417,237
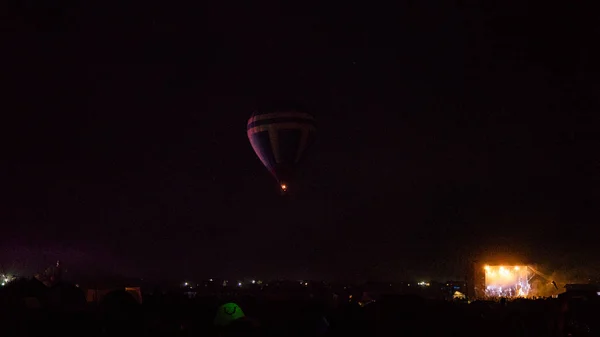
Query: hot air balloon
x,y
280,139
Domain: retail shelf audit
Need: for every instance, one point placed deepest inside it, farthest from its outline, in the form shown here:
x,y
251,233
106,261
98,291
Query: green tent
x,y
228,313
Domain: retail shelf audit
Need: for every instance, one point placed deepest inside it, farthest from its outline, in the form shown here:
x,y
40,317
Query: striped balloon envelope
x,y
280,140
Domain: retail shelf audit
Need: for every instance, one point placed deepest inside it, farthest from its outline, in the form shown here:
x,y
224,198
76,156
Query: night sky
x,y
446,132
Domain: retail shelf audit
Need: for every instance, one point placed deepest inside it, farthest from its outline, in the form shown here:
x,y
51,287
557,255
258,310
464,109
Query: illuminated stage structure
x,y
507,281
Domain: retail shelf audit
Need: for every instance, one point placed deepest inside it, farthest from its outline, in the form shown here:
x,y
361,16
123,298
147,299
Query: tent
x,y
228,313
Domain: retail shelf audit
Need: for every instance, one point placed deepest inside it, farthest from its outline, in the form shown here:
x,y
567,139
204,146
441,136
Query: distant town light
x,y
253,281
239,284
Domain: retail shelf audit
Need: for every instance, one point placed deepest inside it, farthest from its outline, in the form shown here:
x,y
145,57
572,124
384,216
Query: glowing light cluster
x,y
506,281
6,279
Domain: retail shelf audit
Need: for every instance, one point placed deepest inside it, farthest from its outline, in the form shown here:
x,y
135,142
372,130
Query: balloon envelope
x,y
280,140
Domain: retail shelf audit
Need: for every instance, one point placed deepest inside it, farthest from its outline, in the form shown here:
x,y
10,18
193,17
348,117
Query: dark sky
x,y
447,132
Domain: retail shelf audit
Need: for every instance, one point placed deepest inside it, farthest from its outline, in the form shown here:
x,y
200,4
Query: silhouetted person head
x,y
120,312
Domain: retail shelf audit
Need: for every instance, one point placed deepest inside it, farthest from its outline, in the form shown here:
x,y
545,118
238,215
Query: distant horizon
x,y
74,274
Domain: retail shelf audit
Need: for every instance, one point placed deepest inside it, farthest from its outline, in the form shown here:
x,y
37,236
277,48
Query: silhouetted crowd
x,y
28,308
